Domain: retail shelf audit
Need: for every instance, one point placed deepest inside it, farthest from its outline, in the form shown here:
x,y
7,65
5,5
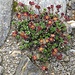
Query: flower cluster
x,y
43,33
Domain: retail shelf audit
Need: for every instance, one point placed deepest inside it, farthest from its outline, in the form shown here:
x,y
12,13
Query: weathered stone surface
x,y
16,53
73,4
0,59
1,70
5,18
26,67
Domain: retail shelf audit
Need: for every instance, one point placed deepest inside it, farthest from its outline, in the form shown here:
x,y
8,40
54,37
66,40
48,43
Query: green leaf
x,y
36,24
14,6
53,47
44,10
45,51
17,37
42,24
64,29
23,41
55,44
27,32
42,15
61,39
53,29
21,47
13,22
25,9
56,37
35,42
26,41
21,29
48,44
26,45
51,15
69,37
42,59
63,24
46,37
32,12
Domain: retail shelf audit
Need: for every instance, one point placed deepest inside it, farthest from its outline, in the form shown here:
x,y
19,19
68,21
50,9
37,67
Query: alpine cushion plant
x,y
43,33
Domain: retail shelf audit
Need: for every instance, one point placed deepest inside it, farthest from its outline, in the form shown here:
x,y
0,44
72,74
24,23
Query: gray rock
x,y
74,44
26,67
5,18
72,59
68,73
66,58
1,70
72,51
73,5
73,72
0,59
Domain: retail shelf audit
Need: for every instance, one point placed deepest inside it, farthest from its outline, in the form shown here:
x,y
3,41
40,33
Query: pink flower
x,y
52,6
21,4
66,18
36,16
14,33
59,57
31,3
37,6
25,13
46,17
18,15
58,6
65,42
34,57
48,8
62,14
44,68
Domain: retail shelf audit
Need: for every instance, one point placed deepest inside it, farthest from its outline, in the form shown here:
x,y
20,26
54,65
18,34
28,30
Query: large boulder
x,y
5,18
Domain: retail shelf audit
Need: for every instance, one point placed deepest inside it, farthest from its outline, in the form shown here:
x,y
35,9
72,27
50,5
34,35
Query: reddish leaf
x,y
39,28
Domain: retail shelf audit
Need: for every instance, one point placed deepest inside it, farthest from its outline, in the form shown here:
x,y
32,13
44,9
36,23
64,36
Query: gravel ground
x,y
15,62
